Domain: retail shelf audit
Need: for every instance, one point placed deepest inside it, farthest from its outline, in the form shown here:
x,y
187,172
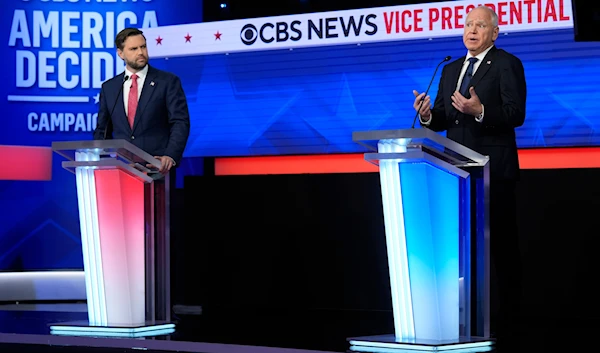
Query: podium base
x,y
83,328
389,343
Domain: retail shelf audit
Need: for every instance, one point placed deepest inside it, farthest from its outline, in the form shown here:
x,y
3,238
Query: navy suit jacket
x,y
162,121
500,84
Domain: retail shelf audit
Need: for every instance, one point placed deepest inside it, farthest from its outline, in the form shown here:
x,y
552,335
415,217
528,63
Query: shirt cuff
x,y
425,122
479,118
172,160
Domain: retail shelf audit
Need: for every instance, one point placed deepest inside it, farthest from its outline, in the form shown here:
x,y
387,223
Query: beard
x,y
136,65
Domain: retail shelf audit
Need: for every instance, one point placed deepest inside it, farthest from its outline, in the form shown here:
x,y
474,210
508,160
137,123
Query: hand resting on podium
x,y
166,163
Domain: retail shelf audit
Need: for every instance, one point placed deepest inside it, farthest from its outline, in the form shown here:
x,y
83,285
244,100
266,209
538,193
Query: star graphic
x,y
218,35
96,98
188,38
159,40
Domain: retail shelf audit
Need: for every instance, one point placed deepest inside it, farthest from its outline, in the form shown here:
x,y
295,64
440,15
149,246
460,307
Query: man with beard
x,y
144,105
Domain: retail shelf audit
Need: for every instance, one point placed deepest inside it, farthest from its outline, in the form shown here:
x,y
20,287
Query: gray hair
x,y
492,13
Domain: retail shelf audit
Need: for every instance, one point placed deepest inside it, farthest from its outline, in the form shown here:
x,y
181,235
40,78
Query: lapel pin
x,y
489,62
152,83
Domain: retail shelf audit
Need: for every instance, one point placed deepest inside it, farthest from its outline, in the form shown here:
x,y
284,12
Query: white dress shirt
x,y
140,81
479,57
127,85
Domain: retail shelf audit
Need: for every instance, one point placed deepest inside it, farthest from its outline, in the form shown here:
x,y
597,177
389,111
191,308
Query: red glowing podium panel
x,y
123,214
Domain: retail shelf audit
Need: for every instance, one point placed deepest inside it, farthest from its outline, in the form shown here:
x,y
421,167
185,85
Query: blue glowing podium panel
x,y
435,204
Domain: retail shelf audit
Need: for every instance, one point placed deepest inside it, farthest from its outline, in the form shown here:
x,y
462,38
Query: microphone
x,y
428,87
125,78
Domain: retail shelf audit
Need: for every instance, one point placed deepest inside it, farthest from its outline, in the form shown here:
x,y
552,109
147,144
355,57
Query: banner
x,y
55,56
352,27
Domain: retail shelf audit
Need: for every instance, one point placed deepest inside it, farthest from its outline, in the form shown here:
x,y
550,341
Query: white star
x,y
96,98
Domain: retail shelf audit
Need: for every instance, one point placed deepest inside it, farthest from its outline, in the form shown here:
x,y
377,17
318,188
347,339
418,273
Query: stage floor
x,y
25,328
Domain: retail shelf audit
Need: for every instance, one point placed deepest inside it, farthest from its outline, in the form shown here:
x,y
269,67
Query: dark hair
x,y
126,33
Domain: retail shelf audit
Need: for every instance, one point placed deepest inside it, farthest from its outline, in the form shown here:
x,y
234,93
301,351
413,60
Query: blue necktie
x,y
464,86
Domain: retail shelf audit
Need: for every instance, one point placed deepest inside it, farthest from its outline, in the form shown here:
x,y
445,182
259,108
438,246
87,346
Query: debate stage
x,y
25,328
312,276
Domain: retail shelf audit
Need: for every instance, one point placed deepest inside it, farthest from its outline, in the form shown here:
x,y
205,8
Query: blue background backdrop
x,y
309,100
39,227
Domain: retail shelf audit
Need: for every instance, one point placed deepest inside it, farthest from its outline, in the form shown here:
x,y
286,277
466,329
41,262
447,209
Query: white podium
x,y
124,220
435,195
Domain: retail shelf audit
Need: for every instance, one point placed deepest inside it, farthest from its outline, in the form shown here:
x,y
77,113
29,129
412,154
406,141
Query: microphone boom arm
x,y
427,91
109,118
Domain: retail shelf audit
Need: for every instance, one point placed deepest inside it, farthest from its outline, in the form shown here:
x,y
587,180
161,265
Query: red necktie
x,y
132,101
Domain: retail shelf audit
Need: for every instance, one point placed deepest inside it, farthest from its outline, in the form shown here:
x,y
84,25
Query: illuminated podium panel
x,y
124,221
436,214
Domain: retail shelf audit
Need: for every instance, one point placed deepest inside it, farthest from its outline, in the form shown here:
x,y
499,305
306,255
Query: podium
x,y
435,195
124,219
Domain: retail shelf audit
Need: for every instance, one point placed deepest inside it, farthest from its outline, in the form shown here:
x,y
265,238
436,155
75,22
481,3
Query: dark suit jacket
x,y
500,84
162,121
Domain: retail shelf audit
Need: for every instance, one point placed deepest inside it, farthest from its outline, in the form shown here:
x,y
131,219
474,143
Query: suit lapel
x,y
455,73
147,91
452,82
119,111
483,68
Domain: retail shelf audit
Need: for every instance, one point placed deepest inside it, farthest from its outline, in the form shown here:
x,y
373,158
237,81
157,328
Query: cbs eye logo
x,y
249,34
